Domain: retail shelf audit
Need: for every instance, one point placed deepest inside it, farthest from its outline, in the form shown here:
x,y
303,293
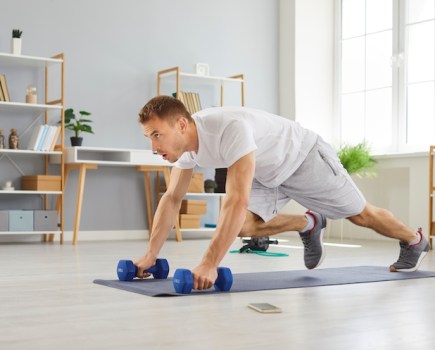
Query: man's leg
x,y
413,245
310,226
384,222
254,226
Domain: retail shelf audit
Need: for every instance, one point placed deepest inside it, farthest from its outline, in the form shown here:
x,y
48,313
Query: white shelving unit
x,y
49,112
205,77
113,156
176,72
23,151
26,107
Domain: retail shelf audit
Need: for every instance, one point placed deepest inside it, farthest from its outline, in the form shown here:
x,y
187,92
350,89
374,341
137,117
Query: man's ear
x,y
182,123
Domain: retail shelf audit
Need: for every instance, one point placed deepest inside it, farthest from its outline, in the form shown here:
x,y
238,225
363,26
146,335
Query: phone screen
x,y
264,307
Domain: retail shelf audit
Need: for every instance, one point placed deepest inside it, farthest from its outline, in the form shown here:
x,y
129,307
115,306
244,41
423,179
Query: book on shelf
x,y
191,100
44,138
2,97
197,102
4,94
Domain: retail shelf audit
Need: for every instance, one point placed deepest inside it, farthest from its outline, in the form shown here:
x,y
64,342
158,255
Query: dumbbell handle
x,y
152,269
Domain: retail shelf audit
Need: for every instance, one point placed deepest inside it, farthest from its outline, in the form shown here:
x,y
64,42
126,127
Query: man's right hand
x,y
144,263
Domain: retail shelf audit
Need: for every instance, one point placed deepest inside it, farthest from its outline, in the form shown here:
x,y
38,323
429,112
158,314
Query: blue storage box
x,y
21,220
45,220
4,220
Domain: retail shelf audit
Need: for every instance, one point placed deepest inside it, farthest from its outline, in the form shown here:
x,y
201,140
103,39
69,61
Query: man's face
x,y
167,140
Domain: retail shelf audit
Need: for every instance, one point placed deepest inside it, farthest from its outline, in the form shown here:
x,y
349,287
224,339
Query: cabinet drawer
x,y
45,220
4,220
21,220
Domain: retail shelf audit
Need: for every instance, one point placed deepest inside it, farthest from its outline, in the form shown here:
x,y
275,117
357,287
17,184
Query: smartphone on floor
x,y
265,308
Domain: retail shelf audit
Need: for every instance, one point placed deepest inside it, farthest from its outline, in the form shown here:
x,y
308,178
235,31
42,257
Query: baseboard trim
x,y
103,235
113,235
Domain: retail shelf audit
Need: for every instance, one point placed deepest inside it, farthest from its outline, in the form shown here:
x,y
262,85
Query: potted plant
x,y
16,41
357,159
77,125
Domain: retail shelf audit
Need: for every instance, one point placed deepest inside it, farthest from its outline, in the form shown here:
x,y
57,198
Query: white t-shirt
x,y
226,134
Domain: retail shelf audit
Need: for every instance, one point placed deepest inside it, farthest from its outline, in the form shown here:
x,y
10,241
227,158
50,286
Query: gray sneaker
x,y
313,241
411,255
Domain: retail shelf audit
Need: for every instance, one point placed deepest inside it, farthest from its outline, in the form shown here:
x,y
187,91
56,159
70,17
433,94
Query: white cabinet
x,y
48,74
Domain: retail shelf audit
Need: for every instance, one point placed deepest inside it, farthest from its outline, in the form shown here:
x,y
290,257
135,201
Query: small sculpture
x,y
2,139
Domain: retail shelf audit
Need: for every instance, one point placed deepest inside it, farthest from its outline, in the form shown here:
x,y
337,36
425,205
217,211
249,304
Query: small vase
x,y
76,141
13,139
2,139
16,46
31,94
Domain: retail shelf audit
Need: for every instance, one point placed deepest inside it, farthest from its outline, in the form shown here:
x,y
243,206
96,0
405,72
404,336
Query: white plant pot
x,y
16,46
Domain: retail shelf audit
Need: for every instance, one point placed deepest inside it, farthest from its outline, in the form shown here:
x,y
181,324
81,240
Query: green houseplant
x,y
16,33
357,159
77,125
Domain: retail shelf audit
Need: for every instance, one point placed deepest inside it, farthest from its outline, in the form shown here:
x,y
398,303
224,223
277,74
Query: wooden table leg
x,y
79,197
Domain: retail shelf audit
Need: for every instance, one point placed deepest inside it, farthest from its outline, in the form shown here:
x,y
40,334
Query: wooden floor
x,y
48,301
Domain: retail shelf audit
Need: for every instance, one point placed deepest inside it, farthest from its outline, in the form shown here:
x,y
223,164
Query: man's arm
x,y
164,217
231,219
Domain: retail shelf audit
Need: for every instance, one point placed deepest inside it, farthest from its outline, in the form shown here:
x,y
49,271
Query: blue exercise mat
x,y
248,282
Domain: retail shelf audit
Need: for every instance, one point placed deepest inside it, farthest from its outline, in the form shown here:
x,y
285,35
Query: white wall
x,y
113,50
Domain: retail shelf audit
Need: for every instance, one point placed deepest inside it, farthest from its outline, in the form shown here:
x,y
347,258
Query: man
x,y
270,161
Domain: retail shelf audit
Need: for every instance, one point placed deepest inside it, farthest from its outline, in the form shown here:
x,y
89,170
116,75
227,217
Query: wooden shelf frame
x,y
431,226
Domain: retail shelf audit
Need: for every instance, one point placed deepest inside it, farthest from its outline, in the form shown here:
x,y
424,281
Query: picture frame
x,y
202,69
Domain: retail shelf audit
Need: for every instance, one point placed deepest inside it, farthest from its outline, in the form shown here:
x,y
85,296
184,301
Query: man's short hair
x,y
165,108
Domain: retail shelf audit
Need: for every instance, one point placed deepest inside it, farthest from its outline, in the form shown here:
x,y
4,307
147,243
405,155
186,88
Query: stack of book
x,y
4,93
44,138
191,101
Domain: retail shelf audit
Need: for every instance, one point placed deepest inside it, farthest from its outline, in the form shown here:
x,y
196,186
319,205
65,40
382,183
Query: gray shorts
x,y
320,184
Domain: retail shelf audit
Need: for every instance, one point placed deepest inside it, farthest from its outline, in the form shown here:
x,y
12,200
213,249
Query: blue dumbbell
x,y
127,271
183,280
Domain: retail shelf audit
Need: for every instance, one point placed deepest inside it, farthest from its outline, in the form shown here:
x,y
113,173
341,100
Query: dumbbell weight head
x,y
183,281
160,270
127,271
224,280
